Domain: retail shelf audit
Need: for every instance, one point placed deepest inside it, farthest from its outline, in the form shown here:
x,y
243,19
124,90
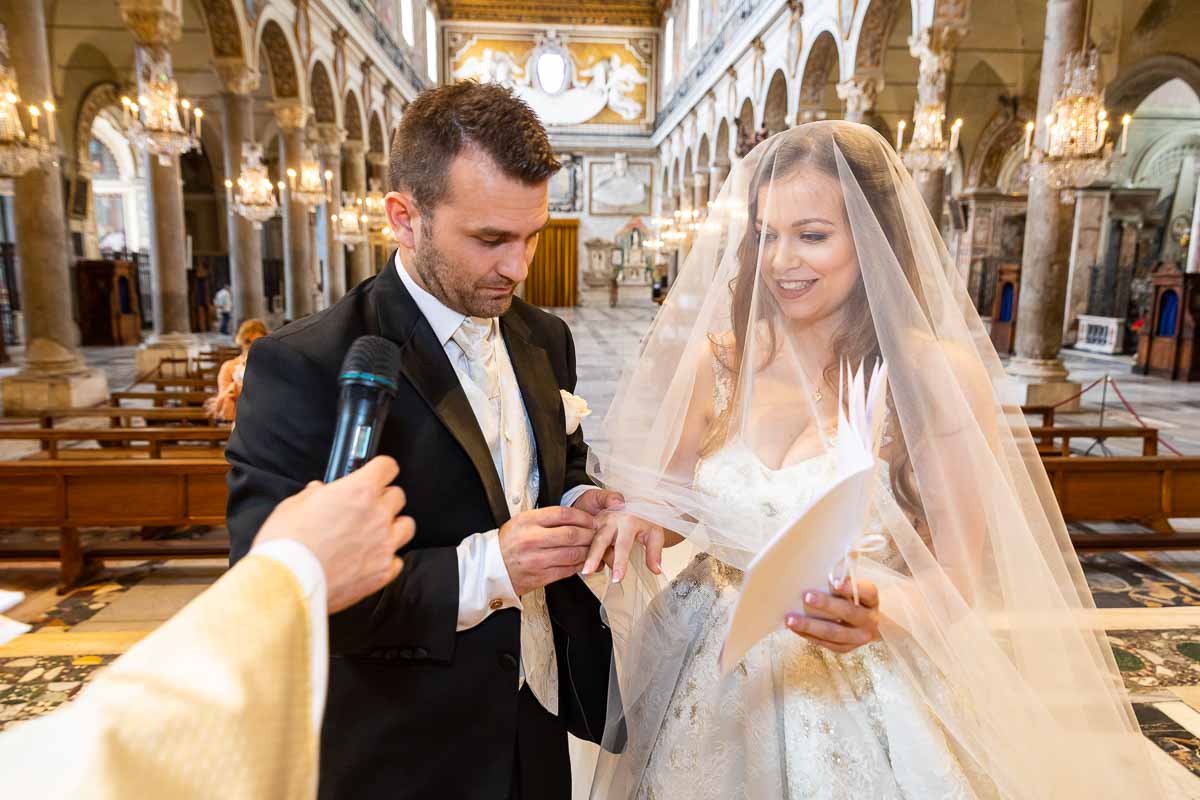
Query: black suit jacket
x,y
415,709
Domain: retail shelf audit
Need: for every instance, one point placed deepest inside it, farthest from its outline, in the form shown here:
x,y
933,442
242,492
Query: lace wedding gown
x,y
793,719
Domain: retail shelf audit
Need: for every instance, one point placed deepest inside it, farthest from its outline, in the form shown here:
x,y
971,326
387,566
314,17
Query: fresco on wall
x,y
566,81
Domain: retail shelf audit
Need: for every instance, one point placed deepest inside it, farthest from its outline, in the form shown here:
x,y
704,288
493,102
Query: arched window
x,y
1006,303
406,21
1168,314
693,23
669,51
431,44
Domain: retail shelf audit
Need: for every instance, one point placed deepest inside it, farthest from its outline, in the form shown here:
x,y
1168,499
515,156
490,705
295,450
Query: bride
x,y
968,667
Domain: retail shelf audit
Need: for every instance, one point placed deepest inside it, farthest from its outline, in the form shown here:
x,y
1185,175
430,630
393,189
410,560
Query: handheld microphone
x,y
368,380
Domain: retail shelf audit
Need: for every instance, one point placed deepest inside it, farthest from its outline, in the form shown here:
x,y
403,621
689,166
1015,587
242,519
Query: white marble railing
x,y
1100,334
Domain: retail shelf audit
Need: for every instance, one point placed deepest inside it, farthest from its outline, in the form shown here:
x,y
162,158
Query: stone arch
x,y
822,67
872,30
375,134
98,98
775,104
282,61
721,151
1159,165
353,117
1001,134
226,22
323,99
1135,83
703,153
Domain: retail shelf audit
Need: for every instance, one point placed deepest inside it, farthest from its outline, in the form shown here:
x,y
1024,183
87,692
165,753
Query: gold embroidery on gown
x,y
793,716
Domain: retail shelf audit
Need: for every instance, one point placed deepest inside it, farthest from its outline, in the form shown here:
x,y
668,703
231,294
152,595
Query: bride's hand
x,y
834,621
614,541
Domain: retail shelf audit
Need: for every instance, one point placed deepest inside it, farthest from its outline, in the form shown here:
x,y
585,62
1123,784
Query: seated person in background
x,y
229,380
225,699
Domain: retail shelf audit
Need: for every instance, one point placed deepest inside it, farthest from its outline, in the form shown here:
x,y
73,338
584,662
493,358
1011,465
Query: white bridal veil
x,y
986,610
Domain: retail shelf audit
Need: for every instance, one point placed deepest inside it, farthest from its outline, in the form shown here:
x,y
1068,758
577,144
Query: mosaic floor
x,y
1149,603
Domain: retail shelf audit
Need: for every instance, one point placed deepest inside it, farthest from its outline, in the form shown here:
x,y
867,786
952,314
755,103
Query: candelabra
x,y
928,152
159,122
255,199
373,205
307,186
21,152
349,224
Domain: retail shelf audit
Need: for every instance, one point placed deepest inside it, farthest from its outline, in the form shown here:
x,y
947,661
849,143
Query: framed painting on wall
x,y
620,188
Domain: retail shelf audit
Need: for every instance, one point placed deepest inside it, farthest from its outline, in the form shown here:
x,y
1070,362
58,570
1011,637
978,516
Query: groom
x,y
462,677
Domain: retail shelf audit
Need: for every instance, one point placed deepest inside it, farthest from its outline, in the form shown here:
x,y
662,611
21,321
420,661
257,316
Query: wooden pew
x,y
1147,490
123,416
183,398
1045,437
1045,412
70,495
165,384
157,442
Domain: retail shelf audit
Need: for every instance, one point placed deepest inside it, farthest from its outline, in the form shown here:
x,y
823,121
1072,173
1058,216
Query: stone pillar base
x,y
30,392
171,345
1041,382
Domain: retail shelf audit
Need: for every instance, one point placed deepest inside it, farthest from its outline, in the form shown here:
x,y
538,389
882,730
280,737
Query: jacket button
x,y
406,653
421,652
508,661
390,654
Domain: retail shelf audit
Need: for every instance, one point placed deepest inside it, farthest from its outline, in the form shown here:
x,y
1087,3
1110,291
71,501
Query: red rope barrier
x,y
1080,393
1141,422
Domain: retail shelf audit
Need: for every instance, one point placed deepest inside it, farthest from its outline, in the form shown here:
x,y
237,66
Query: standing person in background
x,y
223,301
223,406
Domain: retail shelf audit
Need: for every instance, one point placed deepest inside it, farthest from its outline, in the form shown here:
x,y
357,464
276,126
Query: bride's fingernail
x,y
811,599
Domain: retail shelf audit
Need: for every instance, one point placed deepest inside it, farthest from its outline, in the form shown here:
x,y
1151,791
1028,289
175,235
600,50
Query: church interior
x,y
170,169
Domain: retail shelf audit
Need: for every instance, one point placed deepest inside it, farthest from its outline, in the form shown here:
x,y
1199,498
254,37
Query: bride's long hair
x,y
986,611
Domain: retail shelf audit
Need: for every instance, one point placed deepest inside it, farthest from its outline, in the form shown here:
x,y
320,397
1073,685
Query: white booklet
x,y
802,555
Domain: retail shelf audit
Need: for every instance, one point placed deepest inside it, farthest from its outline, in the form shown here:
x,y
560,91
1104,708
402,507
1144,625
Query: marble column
x,y
1089,243
934,50
700,190
54,374
1038,373
332,138
859,93
1193,254
168,247
299,274
245,242
356,184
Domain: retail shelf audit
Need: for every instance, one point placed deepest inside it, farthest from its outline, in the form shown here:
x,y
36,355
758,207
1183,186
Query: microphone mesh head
x,y
372,355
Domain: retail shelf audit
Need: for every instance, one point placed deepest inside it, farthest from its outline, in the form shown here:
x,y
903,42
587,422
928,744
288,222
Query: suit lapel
x,y
425,365
539,390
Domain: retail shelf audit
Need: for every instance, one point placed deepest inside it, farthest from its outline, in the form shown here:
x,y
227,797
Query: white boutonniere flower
x,y
575,408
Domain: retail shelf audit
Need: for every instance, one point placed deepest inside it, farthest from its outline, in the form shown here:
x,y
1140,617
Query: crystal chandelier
x,y
255,199
349,225
1078,151
307,186
21,152
928,152
159,123
373,205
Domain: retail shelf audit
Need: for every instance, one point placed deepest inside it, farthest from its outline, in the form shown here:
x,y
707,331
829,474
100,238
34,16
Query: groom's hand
x,y
545,545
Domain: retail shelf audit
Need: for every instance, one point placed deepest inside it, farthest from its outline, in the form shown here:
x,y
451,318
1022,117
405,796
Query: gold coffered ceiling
x,y
554,12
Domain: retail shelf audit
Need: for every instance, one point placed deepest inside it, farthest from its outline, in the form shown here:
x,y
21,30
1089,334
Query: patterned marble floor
x,y
1149,603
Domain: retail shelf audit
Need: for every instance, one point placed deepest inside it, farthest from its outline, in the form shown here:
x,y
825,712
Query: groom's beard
x,y
491,296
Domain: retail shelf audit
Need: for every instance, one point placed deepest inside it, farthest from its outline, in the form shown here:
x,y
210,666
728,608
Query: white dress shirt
x,y
483,582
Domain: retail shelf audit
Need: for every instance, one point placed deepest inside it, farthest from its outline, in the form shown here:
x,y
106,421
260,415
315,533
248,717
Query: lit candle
x,y
199,116
291,173
33,118
229,195
900,135
1125,120
125,101
50,121
1028,138
954,129
186,105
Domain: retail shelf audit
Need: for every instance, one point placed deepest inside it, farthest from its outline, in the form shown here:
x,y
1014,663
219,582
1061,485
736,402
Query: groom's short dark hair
x,y
440,122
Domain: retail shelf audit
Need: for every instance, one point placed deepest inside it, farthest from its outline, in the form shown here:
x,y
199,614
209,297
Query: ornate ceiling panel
x,y
554,12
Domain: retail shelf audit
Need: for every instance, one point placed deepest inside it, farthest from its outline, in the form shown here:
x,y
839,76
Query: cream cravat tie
x,y
512,454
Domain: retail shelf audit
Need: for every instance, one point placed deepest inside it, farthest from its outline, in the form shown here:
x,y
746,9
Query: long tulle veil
x,y
987,613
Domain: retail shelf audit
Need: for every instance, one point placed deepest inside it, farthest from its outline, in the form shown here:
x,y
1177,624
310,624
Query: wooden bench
x,y
1045,412
1045,437
183,398
185,384
1147,490
123,416
70,495
157,442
